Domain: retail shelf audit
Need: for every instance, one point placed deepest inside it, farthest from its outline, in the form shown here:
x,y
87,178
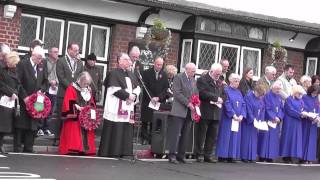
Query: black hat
x,y
91,56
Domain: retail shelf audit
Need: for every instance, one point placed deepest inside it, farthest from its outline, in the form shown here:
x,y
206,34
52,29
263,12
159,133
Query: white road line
x,y
26,179
67,156
279,164
2,156
4,167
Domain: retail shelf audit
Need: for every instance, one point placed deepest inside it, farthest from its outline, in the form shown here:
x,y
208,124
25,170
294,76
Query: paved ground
x,y
91,168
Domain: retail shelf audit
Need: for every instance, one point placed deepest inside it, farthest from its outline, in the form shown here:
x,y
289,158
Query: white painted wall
x,y
172,19
99,8
283,36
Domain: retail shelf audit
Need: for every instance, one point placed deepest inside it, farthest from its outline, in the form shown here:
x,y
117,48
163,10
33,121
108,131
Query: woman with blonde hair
x,y
291,136
9,91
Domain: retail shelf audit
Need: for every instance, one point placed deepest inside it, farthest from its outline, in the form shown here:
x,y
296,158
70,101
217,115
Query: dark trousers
x,y
58,122
25,136
206,134
146,127
1,139
44,125
178,132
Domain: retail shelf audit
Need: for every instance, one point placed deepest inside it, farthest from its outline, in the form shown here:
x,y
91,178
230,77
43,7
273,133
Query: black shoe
x,y
173,161
222,159
244,160
230,160
287,160
269,160
29,151
183,160
209,160
200,159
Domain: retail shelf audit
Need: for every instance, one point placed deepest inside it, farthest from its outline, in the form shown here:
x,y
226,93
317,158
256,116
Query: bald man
x,y
156,82
179,126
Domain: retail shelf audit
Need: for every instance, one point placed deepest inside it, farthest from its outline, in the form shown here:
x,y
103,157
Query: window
x,y
102,68
224,27
256,33
77,33
311,68
53,33
99,40
186,52
251,57
231,53
207,54
30,30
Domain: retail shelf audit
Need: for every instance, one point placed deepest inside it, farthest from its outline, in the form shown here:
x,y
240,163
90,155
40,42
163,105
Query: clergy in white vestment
x,y
122,94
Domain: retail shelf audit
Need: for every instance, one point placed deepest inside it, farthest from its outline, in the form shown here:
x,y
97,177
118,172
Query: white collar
x,y
71,59
32,63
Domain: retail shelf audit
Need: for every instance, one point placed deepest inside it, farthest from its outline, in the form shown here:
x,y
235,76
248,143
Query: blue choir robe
x,y
291,136
309,129
228,142
249,134
268,141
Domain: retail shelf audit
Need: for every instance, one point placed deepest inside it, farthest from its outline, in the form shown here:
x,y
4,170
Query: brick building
x,y
200,33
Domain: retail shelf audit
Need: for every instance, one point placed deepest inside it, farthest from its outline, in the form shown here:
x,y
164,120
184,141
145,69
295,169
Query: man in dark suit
x,y
68,69
134,55
33,76
210,92
156,83
224,77
184,85
269,76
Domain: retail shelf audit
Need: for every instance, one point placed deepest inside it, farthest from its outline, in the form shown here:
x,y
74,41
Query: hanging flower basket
x,y
276,52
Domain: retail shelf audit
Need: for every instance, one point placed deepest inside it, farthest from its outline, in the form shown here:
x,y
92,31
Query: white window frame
x,y
83,50
61,32
104,74
232,46
107,41
37,30
200,71
182,51
307,66
255,78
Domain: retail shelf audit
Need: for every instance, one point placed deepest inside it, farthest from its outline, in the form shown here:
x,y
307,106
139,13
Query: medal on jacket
x,y
72,69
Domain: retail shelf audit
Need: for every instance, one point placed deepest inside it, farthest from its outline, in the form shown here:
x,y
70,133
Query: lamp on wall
x,y
9,10
293,37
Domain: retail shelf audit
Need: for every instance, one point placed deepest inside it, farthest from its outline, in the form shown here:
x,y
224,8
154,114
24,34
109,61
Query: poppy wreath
x,y
37,110
196,103
85,119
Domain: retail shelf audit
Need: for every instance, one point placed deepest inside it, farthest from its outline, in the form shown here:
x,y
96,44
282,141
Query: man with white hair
x,y
184,86
210,92
134,55
269,76
122,94
33,77
225,71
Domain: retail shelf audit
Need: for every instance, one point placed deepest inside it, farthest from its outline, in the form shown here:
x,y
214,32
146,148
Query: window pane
x,y
207,55
312,67
52,34
76,34
28,31
186,53
98,41
231,54
251,60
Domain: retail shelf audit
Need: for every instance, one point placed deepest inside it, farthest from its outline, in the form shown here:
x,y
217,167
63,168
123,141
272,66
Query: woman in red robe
x,y
74,139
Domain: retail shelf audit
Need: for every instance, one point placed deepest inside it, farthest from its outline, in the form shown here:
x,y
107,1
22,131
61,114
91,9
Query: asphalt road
x,y
50,167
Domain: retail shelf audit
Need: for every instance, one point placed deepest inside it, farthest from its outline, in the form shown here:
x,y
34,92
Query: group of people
x,y
66,82
243,119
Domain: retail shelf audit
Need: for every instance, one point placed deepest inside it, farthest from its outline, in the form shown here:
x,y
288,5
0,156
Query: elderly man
x,y
156,83
33,82
134,55
210,92
184,85
287,81
68,69
269,76
4,50
122,93
225,71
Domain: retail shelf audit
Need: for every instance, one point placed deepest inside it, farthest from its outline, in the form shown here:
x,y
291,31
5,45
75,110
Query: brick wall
x,y
295,58
172,57
10,29
121,36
